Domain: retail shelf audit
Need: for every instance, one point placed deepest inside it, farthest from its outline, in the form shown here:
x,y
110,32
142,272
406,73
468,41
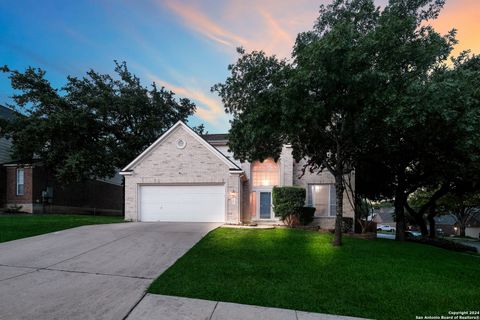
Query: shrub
x,y
347,224
14,209
445,244
306,215
287,203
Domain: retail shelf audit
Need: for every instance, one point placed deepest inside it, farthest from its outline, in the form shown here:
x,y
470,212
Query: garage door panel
x,y
182,203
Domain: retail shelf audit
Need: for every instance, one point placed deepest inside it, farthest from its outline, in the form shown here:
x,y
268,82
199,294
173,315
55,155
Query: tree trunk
x,y
422,225
419,220
431,222
399,204
339,218
462,231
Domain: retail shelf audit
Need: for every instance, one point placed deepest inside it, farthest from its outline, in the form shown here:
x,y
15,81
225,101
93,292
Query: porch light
x,y
233,196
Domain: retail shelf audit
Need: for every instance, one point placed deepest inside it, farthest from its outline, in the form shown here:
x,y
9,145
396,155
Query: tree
x,y
409,50
314,103
93,125
463,206
450,135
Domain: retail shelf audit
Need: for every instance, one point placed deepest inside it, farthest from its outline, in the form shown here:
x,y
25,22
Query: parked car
x,y
385,227
413,234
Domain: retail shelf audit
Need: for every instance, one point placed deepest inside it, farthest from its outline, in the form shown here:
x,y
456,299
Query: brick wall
x,y
85,197
11,188
3,186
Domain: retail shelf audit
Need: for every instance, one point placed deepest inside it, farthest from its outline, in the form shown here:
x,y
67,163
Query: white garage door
x,y
182,203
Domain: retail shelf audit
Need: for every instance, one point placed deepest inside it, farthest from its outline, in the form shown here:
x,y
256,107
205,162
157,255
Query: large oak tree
x,y
93,125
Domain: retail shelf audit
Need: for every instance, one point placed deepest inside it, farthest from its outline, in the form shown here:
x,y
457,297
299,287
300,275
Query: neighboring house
x,y
384,216
28,186
446,225
186,177
5,144
5,152
31,186
473,226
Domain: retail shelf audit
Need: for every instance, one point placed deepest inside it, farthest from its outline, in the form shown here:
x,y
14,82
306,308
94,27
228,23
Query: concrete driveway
x,y
90,272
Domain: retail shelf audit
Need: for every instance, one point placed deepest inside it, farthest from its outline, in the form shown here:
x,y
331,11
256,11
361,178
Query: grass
x,y
14,227
386,232
301,270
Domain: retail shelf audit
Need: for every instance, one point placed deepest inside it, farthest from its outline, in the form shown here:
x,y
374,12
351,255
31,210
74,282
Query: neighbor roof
x,y
446,219
7,113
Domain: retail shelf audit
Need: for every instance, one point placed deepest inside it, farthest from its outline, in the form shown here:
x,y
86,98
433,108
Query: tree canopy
x,y
367,89
93,125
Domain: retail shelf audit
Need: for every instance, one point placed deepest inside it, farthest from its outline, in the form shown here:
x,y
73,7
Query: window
x,y
265,174
20,182
323,198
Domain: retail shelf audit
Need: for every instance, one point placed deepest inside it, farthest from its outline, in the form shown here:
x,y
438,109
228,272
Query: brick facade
x,y
323,177
194,164
166,164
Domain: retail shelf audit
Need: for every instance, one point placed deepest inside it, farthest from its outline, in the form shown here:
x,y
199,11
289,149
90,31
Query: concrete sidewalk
x,y
160,307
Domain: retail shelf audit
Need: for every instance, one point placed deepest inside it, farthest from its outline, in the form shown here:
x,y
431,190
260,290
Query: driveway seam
x,y
90,250
213,311
135,305
296,315
19,275
97,273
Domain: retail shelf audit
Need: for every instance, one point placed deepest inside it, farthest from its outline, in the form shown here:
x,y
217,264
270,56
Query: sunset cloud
x,y
272,26
184,45
263,25
209,108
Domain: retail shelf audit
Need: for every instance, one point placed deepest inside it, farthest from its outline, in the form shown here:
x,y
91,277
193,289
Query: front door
x,y
265,205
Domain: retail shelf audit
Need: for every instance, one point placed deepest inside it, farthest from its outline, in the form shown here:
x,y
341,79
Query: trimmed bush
x,y
445,244
287,203
306,215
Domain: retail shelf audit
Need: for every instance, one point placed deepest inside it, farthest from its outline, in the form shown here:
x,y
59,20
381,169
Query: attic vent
x,y
181,143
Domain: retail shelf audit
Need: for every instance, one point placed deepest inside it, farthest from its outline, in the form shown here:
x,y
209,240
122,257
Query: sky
x,y
184,45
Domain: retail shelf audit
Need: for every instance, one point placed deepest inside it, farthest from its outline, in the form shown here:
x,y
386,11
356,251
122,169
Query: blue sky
x,y
184,45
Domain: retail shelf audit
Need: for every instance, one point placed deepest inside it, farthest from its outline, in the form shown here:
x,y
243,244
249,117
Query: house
x,y
473,226
28,186
6,114
384,216
31,187
446,225
183,176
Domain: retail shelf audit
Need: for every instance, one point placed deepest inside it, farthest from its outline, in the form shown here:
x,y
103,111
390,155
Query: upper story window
x,y
266,173
20,182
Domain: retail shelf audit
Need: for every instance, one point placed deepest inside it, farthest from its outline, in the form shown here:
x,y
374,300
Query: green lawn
x,y
296,269
21,226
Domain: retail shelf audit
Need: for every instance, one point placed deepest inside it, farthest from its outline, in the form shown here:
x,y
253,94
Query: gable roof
x,y
215,137
446,219
231,165
384,215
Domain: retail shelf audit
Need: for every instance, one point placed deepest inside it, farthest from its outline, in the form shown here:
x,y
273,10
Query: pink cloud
x,y
270,26
209,108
